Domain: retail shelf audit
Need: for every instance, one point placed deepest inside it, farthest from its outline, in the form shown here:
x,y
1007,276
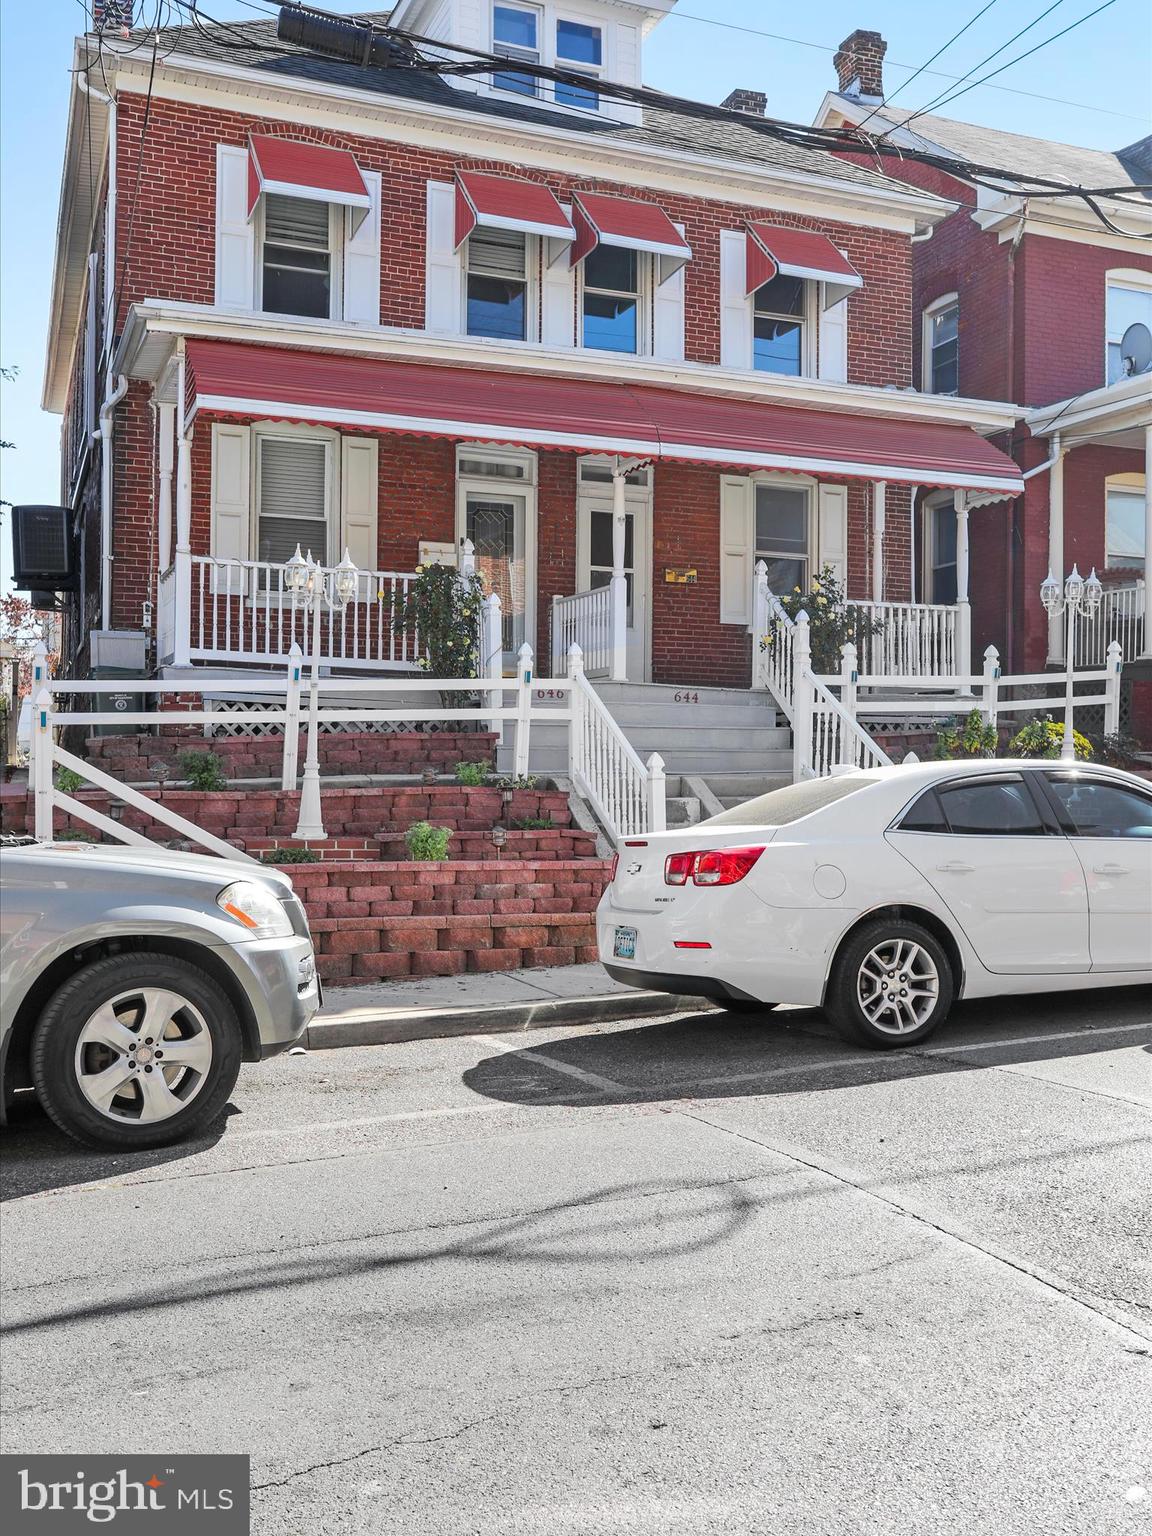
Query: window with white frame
x,y
299,265
497,303
1124,527
516,34
784,534
1128,302
294,489
781,325
940,366
579,47
940,568
613,299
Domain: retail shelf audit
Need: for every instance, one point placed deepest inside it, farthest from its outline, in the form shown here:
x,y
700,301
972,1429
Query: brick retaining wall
x,y
261,757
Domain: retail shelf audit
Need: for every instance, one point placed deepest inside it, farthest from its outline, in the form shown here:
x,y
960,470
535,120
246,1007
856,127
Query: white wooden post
x,y
760,625
523,709
39,668
555,638
182,575
802,700
963,661
576,707
1115,665
619,582
1056,543
1146,648
166,430
849,672
467,566
41,764
492,653
990,695
657,790
292,721
879,491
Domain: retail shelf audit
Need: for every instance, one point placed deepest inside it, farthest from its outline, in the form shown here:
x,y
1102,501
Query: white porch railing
x,y
583,619
920,640
825,731
773,640
627,794
1120,617
242,610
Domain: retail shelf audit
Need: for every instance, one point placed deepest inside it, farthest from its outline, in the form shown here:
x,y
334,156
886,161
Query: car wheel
x,y
891,985
136,1050
743,1005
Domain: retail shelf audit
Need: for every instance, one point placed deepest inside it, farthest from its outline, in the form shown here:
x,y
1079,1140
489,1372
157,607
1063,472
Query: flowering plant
x,y
831,623
443,611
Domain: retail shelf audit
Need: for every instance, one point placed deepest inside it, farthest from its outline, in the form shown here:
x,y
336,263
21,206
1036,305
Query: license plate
x,y
625,946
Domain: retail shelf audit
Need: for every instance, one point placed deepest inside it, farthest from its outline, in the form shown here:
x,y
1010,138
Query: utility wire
x,y
971,22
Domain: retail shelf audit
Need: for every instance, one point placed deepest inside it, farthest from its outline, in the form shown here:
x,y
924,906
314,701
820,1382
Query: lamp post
x,y
1076,597
316,589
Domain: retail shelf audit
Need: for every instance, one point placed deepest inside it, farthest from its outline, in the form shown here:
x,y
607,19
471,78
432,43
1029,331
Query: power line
x,y
971,22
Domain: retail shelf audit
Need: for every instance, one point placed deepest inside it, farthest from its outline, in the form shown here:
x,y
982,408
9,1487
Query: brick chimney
x,y
860,65
755,103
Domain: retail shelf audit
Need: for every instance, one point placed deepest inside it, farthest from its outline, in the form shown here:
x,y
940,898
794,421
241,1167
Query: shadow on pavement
x,y
38,1157
717,1055
612,1224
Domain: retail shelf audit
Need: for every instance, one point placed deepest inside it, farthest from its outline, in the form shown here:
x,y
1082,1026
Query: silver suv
x,y
134,982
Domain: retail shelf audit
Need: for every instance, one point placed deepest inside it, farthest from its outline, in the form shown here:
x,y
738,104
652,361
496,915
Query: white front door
x,y
594,567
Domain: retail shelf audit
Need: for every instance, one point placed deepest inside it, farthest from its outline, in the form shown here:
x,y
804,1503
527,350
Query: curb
x,y
393,1027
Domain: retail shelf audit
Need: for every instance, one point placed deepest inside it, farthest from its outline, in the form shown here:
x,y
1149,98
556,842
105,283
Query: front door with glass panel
x,y
595,568
496,522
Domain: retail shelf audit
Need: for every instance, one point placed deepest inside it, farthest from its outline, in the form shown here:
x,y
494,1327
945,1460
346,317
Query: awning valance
x,y
305,170
586,415
798,253
631,223
502,202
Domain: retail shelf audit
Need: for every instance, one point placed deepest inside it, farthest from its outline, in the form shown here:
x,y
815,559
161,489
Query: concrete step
x,y
684,810
680,696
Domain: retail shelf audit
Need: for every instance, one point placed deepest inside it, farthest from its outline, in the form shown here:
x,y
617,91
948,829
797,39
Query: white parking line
x,y
604,1084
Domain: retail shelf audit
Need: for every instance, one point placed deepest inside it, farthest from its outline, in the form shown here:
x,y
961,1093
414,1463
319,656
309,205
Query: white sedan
x,y
884,895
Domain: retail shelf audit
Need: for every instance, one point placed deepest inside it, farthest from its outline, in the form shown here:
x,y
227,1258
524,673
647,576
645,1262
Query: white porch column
x,y
167,456
879,491
1146,651
182,597
619,582
1056,546
963,606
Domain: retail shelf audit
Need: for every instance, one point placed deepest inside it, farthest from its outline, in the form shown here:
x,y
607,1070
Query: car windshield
x,y
781,806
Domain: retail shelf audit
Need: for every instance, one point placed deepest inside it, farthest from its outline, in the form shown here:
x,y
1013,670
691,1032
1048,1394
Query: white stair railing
x,y
627,795
825,731
773,643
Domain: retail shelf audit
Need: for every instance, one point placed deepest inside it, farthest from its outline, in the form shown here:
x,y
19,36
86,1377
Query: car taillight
x,y
615,867
720,866
677,868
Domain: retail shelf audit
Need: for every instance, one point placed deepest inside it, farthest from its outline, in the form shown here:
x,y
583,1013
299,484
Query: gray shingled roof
x,y
664,127
1035,157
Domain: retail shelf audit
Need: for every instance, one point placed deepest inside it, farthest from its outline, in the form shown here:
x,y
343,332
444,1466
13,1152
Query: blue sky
x,y
1088,88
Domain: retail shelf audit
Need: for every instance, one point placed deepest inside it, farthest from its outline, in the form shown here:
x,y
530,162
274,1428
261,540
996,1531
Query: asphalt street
x,y
702,1274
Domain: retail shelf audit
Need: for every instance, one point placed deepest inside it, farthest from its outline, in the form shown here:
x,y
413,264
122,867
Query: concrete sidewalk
x,y
475,1004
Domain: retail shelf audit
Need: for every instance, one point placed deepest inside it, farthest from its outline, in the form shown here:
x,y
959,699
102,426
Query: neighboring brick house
x,y
362,306
1028,301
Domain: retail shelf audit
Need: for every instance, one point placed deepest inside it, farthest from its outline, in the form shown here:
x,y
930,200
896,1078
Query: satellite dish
x,y
1136,349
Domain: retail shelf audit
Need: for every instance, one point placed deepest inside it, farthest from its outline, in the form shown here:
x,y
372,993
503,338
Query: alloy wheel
x,y
897,986
143,1056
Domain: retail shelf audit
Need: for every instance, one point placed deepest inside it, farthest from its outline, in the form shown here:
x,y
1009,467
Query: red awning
x,y
628,222
304,170
501,202
799,253
586,415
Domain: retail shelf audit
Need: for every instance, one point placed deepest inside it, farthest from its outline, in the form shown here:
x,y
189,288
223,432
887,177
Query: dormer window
x,y
579,47
516,35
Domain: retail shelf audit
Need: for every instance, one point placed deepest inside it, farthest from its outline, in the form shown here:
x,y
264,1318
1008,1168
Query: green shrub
x,y
427,843
1043,737
289,856
831,623
75,837
518,781
204,771
970,737
68,781
443,608
1118,749
532,823
473,774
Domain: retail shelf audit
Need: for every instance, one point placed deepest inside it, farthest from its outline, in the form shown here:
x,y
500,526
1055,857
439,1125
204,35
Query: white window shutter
x,y
231,492
735,305
668,315
443,281
832,541
557,294
235,236
359,490
362,262
736,502
833,341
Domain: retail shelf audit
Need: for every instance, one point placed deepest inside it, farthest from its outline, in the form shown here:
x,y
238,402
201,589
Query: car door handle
x,y
1109,869
955,867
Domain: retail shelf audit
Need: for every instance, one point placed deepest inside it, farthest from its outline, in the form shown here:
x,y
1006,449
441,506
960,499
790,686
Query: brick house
x,y
621,348
1028,302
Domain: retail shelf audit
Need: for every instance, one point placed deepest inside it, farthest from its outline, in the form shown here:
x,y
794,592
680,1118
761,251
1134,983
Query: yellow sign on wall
x,y
675,578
